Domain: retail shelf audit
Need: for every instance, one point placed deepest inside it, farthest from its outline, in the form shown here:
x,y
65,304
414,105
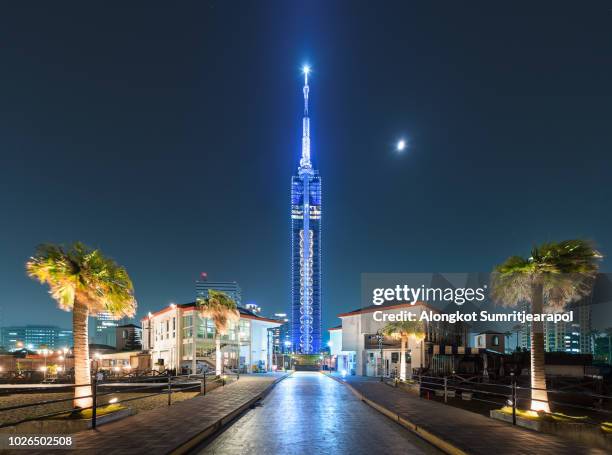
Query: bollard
x,y
94,399
203,385
169,390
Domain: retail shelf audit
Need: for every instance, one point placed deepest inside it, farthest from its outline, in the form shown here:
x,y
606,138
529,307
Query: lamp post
x,y
65,350
380,337
45,353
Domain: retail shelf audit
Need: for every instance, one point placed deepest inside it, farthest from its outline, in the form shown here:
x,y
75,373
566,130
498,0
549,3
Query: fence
x,y
168,385
511,395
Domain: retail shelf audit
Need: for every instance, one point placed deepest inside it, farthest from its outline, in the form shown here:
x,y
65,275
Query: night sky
x,y
166,136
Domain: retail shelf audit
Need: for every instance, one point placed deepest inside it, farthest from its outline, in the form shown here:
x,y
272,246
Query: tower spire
x,y
305,160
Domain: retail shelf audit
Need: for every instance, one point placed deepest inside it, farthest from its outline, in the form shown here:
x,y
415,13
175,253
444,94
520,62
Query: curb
x,y
421,432
186,446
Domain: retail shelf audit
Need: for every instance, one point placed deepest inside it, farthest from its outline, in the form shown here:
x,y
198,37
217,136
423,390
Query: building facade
x,y
179,338
281,335
231,288
306,247
572,337
359,351
129,337
34,337
104,329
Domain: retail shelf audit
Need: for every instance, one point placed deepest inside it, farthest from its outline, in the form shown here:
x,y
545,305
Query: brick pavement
x,y
464,430
163,430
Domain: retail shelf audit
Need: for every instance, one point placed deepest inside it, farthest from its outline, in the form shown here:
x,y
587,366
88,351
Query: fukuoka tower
x,y
306,246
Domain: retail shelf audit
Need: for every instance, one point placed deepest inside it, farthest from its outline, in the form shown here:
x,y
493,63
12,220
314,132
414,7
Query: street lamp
x,y
44,352
62,359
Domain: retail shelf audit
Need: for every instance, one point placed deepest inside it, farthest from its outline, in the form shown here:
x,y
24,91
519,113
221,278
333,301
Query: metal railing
x,y
169,384
507,395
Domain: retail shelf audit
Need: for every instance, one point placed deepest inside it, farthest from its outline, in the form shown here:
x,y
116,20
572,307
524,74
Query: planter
x,y
65,426
467,396
590,435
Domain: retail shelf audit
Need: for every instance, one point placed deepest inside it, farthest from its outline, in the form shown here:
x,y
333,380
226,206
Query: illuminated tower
x,y
306,247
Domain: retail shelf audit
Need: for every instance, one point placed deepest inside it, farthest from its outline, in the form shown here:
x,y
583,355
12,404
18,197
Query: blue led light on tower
x,y
306,246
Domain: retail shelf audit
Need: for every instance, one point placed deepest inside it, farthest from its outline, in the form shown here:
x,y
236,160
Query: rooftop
x,y
244,313
387,306
129,325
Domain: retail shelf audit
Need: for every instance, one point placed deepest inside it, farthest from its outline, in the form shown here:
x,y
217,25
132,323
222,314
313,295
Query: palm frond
x,y
403,329
220,308
566,270
85,274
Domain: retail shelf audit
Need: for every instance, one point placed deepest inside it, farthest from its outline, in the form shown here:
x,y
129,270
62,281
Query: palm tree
x,y
83,281
554,275
219,307
403,330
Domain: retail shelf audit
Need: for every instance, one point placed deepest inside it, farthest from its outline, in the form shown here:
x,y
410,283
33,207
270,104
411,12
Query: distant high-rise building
x,y
64,338
572,337
253,307
231,288
282,334
306,246
33,337
104,329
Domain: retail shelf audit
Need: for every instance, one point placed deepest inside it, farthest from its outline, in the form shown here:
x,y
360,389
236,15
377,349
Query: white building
x,y
358,350
343,361
173,334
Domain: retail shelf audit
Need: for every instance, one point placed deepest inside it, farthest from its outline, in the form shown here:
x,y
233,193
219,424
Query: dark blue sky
x,y
167,136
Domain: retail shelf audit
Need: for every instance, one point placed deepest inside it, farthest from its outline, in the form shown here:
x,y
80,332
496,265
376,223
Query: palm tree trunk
x,y
218,365
539,395
403,359
82,371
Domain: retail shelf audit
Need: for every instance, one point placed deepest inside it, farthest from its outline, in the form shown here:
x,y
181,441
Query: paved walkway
x,y
308,413
470,432
162,430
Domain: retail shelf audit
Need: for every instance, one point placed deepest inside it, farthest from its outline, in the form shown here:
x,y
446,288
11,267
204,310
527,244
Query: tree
x,y
219,307
554,275
84,281
403,330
